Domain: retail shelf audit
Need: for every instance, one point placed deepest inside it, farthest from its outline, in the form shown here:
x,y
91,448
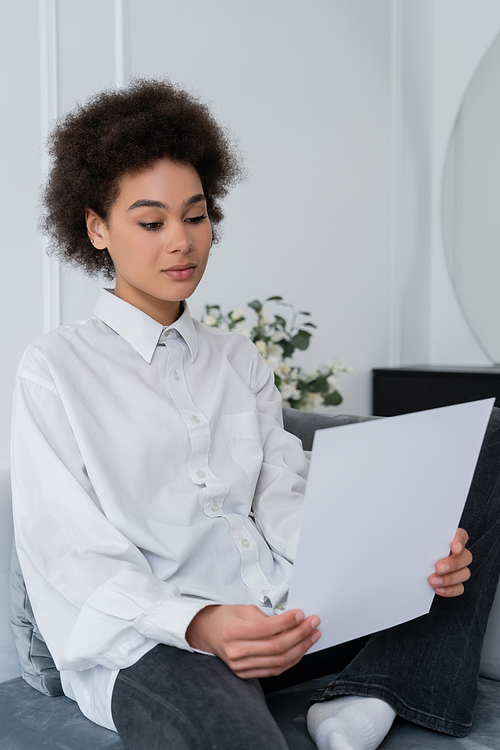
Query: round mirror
x,y
471,204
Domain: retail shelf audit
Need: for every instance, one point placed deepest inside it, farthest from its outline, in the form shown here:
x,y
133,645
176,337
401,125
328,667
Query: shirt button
x,y
245,543
214,506
176,376
196,419
201,474
280,608
265,591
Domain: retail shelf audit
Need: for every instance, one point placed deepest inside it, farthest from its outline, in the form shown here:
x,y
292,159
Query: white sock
x,y
349,723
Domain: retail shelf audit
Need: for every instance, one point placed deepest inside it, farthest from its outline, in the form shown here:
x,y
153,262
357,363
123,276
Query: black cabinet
x,y
399,390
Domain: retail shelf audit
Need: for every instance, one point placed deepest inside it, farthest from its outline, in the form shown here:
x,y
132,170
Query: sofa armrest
x,y
9,663
304,424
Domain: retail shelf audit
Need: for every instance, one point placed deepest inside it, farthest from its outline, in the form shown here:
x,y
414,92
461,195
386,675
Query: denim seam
x,y
158,699
428,720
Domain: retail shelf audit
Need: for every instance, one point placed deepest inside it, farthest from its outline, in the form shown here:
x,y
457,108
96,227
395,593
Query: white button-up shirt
x,y
151,477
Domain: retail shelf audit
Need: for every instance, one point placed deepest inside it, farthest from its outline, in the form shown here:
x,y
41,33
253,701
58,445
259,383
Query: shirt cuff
x,y
168,621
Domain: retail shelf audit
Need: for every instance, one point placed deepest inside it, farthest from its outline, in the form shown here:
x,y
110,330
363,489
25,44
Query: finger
x,y
459,542
276,645
252,623
454,562
458,576
261,626
450,591
268,666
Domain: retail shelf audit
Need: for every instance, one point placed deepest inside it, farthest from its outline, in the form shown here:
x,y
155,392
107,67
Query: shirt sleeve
x,y
94,596
279,494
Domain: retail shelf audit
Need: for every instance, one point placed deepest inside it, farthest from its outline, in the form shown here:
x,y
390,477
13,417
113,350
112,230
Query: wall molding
x,y
396,206
49,110
122,42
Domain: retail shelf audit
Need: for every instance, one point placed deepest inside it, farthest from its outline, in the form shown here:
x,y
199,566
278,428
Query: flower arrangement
x,y
276,339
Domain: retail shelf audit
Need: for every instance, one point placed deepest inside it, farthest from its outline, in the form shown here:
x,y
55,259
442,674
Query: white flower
x,y
273,362
286,390
339,366
264,320
283,369
237,314
261,346
313,400
312,375
332,381
289,391
277,336
210,320
275,349
243,328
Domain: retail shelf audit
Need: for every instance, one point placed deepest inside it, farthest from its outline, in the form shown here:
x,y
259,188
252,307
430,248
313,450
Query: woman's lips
x,y
180,272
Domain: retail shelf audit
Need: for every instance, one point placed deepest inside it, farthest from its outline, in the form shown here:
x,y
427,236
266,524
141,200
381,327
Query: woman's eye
x,y
151,226
196,219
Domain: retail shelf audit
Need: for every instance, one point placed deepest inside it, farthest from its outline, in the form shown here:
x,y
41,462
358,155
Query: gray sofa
x,y
30,720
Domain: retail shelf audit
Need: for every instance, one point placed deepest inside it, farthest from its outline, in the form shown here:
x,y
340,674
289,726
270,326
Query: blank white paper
x,y
382,506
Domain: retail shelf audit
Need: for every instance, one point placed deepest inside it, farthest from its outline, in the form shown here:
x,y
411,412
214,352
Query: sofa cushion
x,y
38,668
9,663
30,721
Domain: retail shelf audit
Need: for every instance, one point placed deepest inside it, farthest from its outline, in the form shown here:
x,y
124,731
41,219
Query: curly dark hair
x,y
125,131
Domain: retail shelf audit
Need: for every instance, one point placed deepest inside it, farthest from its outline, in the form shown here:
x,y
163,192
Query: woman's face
x,y
158,236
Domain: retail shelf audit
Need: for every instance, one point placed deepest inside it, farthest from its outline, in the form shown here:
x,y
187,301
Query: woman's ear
x,y
95,229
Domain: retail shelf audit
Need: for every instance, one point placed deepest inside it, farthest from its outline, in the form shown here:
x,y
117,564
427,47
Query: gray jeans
x,y
175,700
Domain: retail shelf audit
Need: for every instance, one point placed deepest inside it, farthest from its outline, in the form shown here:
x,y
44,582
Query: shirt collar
x,y
138,329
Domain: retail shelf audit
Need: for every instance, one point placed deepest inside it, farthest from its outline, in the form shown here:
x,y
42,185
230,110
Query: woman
x,y
157,498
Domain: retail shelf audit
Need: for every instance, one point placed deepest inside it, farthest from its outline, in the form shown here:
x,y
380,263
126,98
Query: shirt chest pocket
x,y
245,443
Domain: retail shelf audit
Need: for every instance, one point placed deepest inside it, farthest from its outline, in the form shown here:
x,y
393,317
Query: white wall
x,y
463,31
20,280
412,177
340,112
443,43
305,87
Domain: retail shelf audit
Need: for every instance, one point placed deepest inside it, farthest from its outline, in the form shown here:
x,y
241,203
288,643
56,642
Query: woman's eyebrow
x,y
194,199
147,203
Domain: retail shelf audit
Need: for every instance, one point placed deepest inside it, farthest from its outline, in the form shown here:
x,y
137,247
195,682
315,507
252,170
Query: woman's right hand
x,y
250,642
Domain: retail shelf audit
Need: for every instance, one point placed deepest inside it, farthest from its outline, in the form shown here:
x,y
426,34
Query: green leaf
x,y
303,312
280,321
277,380
255,305
332,399
301,339
311,325
288,348
319,385
271,298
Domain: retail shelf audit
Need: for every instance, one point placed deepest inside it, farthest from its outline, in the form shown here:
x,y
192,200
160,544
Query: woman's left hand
x,y
452,571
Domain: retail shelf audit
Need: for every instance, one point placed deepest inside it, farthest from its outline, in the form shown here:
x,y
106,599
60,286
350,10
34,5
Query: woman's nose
x,y
179,239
